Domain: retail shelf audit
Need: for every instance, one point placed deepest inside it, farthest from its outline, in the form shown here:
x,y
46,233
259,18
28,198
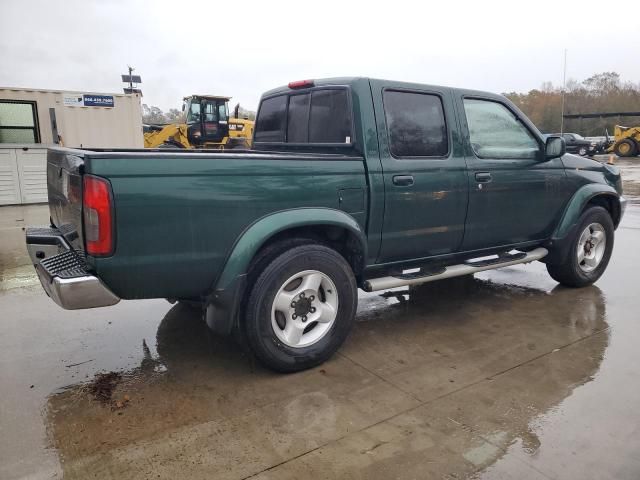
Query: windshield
x,y
193,115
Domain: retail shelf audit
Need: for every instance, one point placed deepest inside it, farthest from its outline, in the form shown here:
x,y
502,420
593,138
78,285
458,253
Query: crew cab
x,y
350,183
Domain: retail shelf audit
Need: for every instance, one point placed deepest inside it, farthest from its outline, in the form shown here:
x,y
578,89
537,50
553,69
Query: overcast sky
x,y
242,48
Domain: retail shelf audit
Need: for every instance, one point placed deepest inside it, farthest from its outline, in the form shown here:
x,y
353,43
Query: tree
x,y
601,93
152,114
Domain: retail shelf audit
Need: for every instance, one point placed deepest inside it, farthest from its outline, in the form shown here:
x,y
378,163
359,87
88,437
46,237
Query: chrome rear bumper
x,y
63,273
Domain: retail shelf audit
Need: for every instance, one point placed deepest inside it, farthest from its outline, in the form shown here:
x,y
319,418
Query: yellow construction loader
x,y
626,141
207,125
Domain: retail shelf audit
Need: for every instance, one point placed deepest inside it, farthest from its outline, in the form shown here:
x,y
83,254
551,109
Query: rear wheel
x,y
170,144
589,251
582,151
240,144
301,308
626,148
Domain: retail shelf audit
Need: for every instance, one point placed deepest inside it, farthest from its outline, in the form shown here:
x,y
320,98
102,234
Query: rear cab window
x,y
317,116
271,121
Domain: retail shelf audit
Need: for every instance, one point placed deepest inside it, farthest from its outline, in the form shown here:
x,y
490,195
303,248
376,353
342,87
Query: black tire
x,y
195,305
582,151
626,148
239,145
257,323
170,145
569,273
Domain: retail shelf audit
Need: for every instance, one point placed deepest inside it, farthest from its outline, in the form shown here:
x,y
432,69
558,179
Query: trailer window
x,y
416,124
271,120
18,122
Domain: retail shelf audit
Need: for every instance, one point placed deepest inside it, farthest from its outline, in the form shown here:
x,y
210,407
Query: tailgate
x,y
64,185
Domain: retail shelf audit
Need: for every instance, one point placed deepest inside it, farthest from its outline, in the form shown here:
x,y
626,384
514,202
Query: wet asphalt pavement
x,y
501,375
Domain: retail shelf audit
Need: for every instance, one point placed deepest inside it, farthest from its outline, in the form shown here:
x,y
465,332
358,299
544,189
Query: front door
x,y
424,172
570,142
515,195
211,122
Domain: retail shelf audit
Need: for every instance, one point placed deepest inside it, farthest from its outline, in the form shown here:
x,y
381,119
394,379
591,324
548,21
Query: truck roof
x,y
398,83
209,97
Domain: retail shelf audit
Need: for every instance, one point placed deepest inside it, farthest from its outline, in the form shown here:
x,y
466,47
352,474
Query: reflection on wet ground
x,y
408,349
504,375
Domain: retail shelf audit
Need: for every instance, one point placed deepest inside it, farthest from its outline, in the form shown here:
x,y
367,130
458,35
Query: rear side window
x,y
495,131
416,124
318,116
270,125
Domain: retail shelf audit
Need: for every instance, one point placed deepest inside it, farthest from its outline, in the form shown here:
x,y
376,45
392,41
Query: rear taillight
x,y
97,209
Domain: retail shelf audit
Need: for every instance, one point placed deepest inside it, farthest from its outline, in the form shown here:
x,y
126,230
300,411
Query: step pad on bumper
x,y
65,265
63,271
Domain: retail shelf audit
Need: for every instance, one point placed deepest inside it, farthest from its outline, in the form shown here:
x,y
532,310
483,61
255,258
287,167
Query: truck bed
x,y
193,205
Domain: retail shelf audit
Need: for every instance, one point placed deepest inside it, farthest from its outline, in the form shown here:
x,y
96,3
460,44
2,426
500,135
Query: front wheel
x,y
626,148
589,251
582,151
301,308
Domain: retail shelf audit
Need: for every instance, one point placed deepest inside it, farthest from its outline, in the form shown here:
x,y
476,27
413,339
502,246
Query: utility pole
x,y
564,84
130,80
131,69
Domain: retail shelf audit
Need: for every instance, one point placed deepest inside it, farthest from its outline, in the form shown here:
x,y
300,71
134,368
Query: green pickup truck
x,y
351,183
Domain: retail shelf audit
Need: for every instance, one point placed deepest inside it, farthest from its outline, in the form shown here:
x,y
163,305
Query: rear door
x,y
515,195
424,171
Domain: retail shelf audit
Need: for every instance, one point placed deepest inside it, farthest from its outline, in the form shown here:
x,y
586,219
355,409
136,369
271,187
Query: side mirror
x,y
554,147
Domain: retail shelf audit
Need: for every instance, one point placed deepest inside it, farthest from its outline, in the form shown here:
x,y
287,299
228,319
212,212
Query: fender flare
x,y
222,303
576,205
258,233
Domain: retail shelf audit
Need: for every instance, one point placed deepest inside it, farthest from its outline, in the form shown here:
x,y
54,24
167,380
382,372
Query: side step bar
x,y
469,268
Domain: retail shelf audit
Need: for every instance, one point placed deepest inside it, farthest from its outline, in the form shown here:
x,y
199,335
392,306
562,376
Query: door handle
x,y
483,177
403,180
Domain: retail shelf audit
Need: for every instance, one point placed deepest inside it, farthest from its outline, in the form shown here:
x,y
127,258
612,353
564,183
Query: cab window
x,y
222,111
298,118
210,113
330,117
416,124
194,113
495,131
271,120
319,116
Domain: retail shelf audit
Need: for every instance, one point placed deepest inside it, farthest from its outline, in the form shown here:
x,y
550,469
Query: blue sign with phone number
x,y
98,100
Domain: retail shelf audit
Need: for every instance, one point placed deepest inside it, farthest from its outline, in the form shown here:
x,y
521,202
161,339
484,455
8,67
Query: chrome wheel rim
x,y
591,247
304,309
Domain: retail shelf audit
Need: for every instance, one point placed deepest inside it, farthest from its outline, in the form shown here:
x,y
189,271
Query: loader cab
x,y
207,119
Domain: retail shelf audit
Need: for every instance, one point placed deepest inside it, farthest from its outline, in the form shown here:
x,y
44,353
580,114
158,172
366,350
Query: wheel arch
x,y
335,226
331,227
588,195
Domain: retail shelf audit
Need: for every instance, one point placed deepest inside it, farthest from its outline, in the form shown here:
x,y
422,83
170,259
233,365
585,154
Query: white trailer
x,y
32,119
